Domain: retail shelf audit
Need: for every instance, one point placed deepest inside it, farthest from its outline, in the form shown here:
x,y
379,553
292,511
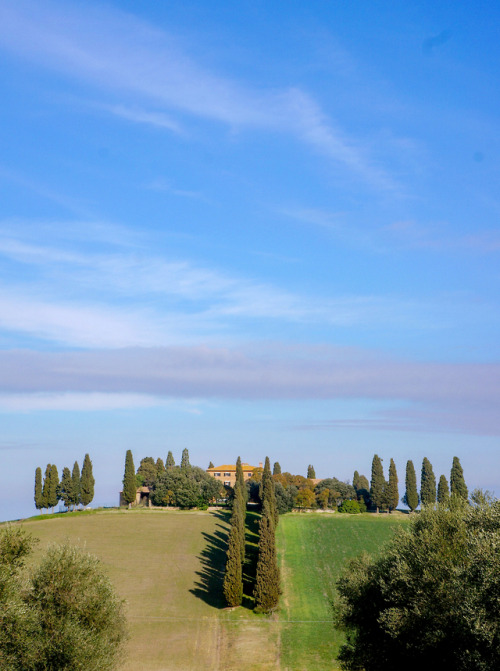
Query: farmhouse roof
x,y
231,467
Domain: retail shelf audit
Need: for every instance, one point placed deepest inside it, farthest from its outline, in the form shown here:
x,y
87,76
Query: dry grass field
x,y
168,567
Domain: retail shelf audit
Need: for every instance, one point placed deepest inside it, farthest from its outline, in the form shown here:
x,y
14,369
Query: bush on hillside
x,y
432,597
351,507
64,617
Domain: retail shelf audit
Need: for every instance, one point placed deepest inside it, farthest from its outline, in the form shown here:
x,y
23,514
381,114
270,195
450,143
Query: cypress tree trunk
x,y
457,482
427,484
129,482
267,583
411,498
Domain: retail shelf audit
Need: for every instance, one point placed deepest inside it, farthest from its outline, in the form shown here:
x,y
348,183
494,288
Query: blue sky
x,y
269,228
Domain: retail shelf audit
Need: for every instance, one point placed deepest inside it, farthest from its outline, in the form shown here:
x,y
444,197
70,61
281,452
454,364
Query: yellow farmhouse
x,y
227,473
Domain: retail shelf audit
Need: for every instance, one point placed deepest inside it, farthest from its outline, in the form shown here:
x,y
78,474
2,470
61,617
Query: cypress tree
x,y
377,485
160,466
233,576
185,459
75,489
238,519
392,493
240,479
457,482
411,498
276,468
311,473
129,482
53,488
66,487
46,487
38,488
87,482
267,582
170,463
427,484
355,481
268,493
210,465
443,491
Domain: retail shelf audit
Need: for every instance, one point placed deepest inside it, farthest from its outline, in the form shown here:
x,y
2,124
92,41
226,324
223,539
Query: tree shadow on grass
x,y
251,556
213,560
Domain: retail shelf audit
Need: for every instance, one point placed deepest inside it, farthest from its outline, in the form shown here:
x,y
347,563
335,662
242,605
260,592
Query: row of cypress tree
x,y
267,582
384,494
233,576
73,489
429,495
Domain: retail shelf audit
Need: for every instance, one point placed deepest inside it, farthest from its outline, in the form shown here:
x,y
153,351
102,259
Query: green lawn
x,y
168,566
312,549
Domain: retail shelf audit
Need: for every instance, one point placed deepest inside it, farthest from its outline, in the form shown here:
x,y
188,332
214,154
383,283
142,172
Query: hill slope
x,y
168,566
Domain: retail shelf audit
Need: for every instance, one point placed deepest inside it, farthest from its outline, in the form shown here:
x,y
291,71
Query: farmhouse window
x,y
227,483
227,475
217,475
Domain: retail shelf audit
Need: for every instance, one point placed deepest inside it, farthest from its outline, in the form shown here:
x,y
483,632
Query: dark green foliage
x,y
276,468
233,575
427,484
378,484
284,497
351,507
38,488
267,491
431,601
185,459
75,476
66,487
457,482
53,488
148,471
129,483
160,466
362,489
170,463
411,497
87,482
392,492
355,480
184,488
211,465
63,616
311,473
238,519
44,500
240,480
338,491
443,491
267,583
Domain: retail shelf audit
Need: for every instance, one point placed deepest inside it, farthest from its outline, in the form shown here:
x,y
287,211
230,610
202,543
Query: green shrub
x,y
351,507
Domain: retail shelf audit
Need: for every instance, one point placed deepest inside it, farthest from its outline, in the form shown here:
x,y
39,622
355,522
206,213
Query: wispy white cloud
x,y
451,397
126,56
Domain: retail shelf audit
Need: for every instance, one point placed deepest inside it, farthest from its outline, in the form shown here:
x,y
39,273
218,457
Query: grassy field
x,y
168,566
